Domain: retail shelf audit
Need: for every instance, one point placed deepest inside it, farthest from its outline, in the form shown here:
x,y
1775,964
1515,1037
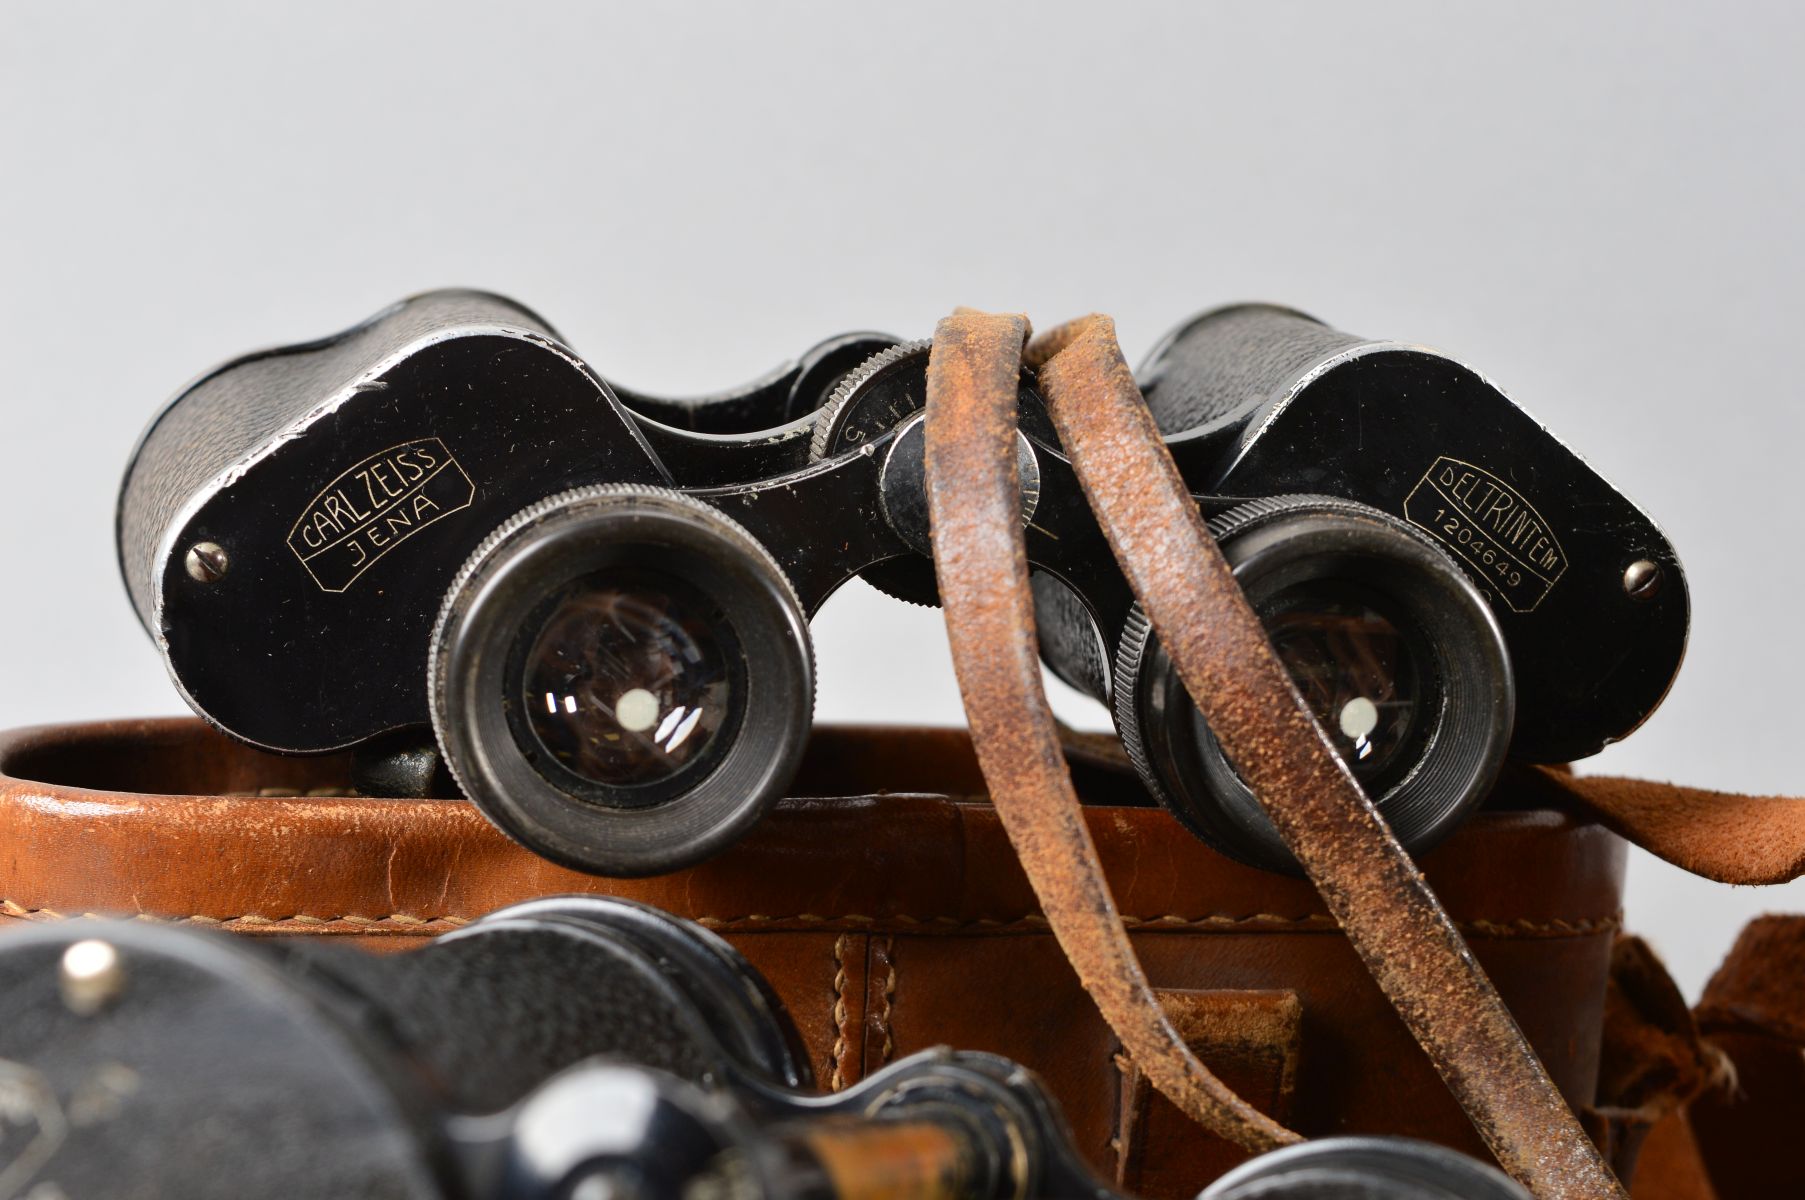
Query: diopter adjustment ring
x,y
890,387
856,413
840,421
887,393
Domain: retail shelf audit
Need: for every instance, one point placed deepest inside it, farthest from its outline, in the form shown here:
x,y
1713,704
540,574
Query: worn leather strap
x,y
974,507
1221,651
1723,836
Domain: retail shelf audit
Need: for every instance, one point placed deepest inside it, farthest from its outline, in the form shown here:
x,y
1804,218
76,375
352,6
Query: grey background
x,y
1597,205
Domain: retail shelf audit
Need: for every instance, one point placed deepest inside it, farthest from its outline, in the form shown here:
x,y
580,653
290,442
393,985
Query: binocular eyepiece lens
x,y
621,679
1387,640
1355,668
630,678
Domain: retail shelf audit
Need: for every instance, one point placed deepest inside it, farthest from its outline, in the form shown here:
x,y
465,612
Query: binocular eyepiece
x,y
1394,649
599,601
621,678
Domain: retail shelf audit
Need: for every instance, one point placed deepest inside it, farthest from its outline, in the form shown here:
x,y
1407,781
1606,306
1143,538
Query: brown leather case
x,y
885,905
1736,1138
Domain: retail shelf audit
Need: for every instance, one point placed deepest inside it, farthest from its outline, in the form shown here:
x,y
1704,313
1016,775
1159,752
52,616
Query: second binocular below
x,y
570,1048
441,533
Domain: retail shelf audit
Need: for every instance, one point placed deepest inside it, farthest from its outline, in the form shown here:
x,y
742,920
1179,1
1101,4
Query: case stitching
x,y
837,1078
889,1048
1510,927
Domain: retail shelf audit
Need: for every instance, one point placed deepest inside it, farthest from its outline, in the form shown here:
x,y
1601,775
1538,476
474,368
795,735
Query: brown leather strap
x,y
1720,835
1726,837
974,507
1221,651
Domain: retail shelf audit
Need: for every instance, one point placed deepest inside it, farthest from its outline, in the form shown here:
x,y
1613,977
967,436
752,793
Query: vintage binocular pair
x,y
599,601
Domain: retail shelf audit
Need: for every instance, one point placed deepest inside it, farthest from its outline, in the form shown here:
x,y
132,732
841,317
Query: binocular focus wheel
x,y
1357,592
621,679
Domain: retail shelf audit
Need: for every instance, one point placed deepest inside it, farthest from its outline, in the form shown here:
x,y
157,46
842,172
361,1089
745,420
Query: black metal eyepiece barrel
x,y
621,679
1386,639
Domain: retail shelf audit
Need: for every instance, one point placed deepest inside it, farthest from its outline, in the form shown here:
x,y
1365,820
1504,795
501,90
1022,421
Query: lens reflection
x,y
1355,669
628,679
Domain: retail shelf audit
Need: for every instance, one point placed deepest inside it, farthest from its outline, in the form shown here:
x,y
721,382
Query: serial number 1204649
x,y
1477,548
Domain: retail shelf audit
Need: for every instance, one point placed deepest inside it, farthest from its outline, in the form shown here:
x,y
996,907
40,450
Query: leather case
x,y
885,905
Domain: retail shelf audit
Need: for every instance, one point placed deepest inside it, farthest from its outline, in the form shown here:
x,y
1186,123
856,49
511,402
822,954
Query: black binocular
x,y
599,601
567,1048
